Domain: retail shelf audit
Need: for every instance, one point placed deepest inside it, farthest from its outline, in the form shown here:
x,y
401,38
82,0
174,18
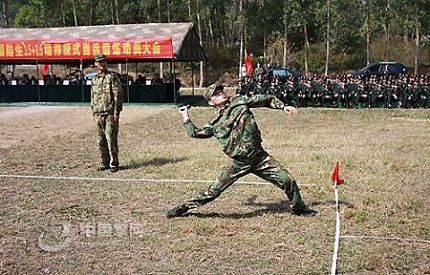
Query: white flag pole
x,y
337,234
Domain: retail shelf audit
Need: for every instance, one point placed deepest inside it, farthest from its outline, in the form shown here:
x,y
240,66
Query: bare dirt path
x,y
28,124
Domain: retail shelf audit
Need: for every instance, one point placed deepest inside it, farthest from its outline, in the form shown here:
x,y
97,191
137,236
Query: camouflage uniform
x,y
239,137
106,102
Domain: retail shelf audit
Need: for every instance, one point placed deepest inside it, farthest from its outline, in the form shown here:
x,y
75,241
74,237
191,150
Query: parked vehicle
x,y
282,73
90,76
382,68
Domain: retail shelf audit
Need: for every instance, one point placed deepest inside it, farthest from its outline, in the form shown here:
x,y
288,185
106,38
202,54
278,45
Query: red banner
x,y
248,64
86,49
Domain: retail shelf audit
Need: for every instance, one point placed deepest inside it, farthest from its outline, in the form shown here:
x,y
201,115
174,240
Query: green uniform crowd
x,y
343,91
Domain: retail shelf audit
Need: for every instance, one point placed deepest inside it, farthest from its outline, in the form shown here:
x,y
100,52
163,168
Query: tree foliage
x,y
393,24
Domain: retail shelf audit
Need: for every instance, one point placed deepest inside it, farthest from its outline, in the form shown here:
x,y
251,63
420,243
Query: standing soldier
x,y
258,71
239,136
106,105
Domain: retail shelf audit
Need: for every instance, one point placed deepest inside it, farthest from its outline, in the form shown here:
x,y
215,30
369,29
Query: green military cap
x,y
100,57
210,90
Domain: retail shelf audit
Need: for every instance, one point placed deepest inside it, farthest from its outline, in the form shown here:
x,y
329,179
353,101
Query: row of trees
x,y
314,35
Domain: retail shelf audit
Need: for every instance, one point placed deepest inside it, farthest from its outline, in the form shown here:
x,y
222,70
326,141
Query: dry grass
x,y
384,157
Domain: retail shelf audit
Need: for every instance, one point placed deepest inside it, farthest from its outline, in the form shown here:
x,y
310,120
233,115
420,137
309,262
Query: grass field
x,y
119,227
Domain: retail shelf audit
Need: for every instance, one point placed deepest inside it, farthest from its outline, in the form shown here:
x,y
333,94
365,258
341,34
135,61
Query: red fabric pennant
x,y
45,68
248,64
335,175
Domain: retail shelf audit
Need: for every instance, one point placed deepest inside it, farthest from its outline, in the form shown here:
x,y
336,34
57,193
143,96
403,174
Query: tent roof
x,y
186,43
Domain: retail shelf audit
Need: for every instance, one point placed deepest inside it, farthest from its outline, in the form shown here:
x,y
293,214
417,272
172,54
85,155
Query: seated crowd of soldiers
x,y
25,79
342,91
75,79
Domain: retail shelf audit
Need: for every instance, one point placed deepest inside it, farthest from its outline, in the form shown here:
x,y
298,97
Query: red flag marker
x,y
45,67
248,64
335,175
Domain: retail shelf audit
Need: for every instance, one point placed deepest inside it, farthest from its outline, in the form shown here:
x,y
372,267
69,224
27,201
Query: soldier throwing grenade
x,y
239,136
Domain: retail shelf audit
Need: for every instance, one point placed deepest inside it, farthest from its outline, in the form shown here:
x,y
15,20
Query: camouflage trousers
x,y
107,139
262,165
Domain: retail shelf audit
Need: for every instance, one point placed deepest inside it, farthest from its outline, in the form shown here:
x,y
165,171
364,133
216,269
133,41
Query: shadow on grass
x,y
331,203
151,162
276,207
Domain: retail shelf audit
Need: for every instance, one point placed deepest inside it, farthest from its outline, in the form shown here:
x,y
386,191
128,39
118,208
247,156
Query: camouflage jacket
x,y
235,127
106,94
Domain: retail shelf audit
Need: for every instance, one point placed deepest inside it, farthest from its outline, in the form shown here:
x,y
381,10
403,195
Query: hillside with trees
x,y
321,36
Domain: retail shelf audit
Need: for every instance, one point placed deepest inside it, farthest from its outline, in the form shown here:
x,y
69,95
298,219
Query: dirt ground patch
x,y
29,124
90,225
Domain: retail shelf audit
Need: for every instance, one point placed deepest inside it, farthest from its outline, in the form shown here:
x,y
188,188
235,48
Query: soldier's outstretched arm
x,y
192,130
261,100
270,101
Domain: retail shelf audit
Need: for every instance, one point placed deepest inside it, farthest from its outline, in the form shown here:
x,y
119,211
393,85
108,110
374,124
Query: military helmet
x,y
100,57
210,90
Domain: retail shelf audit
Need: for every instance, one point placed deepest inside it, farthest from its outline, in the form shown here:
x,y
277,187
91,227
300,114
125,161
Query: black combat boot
x,y
302,210
177,211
